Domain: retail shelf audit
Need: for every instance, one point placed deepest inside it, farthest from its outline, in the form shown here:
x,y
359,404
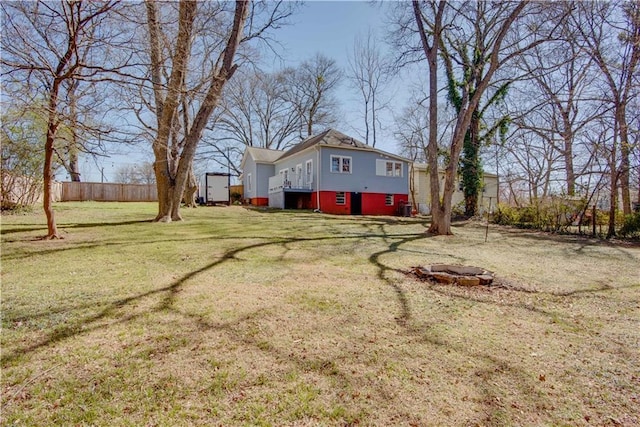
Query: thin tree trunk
x,y
613,200
471,164
373,119
52,127
625,152
613,196
440,221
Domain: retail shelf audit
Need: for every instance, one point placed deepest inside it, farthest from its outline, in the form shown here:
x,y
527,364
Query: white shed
x,y
216,188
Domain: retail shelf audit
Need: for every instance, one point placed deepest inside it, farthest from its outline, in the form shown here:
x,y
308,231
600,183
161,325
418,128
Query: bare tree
x,y
509,32
430,32
368,74
186,92
254,112
562,103
471,53
48,47
141,173
310,88
610,33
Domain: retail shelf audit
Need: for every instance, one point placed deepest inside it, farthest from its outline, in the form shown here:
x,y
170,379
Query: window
x,y
340,198
340,164
309,171
388,168
299,174
388,200
249,182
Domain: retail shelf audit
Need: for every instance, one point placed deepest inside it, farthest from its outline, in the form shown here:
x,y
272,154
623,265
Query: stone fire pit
x,y
455,274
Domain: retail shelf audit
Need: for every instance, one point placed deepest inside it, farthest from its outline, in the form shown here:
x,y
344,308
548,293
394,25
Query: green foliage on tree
x,y
477,134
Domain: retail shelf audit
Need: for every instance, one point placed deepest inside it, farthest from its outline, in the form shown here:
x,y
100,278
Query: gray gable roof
x,y
264,155
330,138
333,138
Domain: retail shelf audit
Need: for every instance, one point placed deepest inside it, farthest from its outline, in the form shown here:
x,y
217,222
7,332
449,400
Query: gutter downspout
x,y
318,168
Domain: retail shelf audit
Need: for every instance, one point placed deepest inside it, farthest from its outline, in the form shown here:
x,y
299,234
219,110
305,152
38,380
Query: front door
x,y
356,203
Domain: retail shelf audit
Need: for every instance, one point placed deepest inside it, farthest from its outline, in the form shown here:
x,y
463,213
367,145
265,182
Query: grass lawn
x,y
247,317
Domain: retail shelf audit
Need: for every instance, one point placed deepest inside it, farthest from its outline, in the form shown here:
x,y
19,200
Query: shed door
x,y
217,188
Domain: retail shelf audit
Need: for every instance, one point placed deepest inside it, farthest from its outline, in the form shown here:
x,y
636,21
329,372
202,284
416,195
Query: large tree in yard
x,y
186,92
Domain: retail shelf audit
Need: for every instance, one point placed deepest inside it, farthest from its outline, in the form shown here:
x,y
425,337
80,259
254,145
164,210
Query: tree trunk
x,y
165,187
613,196
52,127
471,167
625,152
74,170
166,182
189,195
613,200
440,221
567,136
174,166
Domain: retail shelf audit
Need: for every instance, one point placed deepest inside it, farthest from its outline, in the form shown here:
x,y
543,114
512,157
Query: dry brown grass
x,y
243,317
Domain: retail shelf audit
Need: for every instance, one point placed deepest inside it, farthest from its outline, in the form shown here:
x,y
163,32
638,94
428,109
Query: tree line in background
x,y
545,94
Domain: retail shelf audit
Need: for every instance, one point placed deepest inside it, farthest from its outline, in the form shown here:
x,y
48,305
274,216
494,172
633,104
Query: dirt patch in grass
x,y
242,317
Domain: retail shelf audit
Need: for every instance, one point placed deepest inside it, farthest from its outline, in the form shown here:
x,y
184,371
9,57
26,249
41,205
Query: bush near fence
x,y
18,192
550,214
108,192
564,215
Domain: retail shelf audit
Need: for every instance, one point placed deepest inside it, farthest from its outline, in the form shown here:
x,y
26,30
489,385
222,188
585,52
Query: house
x,y
330,172
258,166
422,190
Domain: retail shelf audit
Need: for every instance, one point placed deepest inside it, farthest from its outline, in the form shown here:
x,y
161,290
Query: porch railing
x,y
293,181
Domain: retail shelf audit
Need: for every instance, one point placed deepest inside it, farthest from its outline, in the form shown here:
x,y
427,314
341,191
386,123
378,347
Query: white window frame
x,y
397,167
299,178
341,195
249,185
389,168
308,168
341,164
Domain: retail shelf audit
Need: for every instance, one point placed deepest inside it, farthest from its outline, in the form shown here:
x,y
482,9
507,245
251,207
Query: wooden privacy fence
x,y
107,192
236,189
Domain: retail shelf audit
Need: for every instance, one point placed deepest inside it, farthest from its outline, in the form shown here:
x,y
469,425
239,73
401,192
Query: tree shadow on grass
x,y
496,366
20,228
83,326
112,315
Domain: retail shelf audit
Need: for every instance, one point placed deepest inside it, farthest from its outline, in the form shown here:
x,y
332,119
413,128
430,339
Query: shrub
x,y
236,197
552,214
505,215
631,226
